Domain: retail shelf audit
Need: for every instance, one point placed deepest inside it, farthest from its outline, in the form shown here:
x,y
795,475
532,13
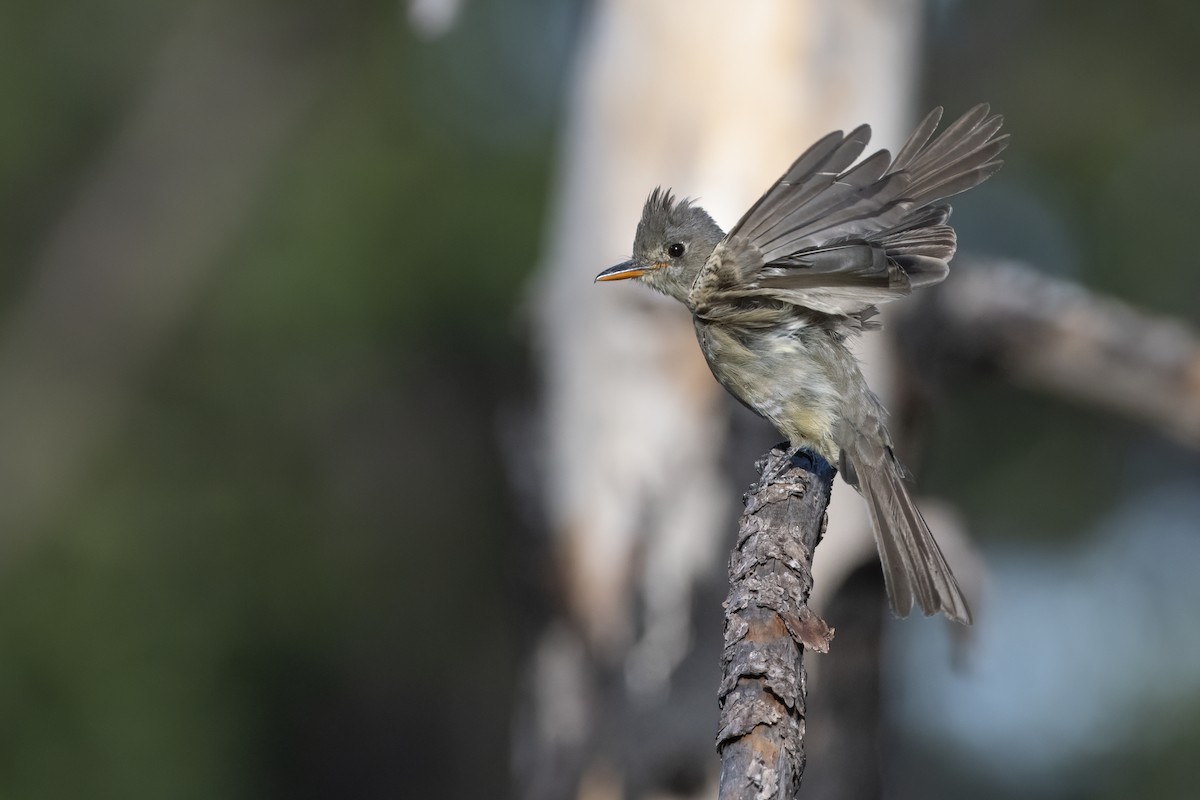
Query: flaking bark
x,y
767,626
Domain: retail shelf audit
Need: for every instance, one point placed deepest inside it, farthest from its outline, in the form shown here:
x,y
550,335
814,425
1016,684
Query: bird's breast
x,y
787,373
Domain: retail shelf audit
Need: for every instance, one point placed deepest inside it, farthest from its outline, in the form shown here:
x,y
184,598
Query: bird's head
x,y
673,240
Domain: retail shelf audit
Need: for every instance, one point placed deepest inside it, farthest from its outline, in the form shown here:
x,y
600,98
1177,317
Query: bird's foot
x,y
771,475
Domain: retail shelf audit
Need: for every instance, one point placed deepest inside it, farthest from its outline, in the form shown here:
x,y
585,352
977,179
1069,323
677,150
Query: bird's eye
x,y
675,250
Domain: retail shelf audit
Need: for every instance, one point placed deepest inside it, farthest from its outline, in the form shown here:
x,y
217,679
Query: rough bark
x,y
767,626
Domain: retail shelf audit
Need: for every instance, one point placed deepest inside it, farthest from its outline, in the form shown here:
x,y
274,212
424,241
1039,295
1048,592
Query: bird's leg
x,y
814,458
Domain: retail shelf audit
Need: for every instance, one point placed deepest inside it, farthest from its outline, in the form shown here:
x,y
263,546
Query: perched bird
x,y
775,300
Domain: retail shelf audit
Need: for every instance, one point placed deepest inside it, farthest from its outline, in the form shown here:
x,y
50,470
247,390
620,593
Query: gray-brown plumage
x,y
775,299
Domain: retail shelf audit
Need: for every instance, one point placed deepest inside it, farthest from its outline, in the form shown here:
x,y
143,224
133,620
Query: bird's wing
x,y
846,279
839,239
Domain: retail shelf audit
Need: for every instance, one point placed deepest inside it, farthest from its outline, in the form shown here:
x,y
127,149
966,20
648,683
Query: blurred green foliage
x,y
270,582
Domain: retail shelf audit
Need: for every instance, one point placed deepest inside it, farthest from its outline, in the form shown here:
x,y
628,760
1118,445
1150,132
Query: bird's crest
x,y
662,204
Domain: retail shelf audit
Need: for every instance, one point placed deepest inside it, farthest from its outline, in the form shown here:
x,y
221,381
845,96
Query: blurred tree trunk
x,y
715,103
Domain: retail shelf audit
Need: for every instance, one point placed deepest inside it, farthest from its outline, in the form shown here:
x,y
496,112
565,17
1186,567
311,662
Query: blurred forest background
x,y
262,325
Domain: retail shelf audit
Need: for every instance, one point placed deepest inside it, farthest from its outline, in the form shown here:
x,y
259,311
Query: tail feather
x,y
913,565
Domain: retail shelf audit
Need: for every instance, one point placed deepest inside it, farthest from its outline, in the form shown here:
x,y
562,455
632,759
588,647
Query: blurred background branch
x,y
1055,336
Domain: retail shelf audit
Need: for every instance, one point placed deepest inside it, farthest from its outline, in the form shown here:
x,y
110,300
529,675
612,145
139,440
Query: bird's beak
x,y
624,271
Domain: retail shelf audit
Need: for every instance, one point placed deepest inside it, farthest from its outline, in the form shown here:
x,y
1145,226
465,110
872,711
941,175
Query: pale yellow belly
x,y
796,382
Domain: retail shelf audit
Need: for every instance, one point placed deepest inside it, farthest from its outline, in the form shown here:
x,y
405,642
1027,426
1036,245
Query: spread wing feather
x,y
812,173
840,239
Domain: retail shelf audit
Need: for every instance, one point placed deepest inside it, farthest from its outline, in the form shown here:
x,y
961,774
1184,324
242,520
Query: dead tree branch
x,y
767,625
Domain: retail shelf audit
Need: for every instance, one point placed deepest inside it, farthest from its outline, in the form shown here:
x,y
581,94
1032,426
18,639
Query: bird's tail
x,y
913,565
